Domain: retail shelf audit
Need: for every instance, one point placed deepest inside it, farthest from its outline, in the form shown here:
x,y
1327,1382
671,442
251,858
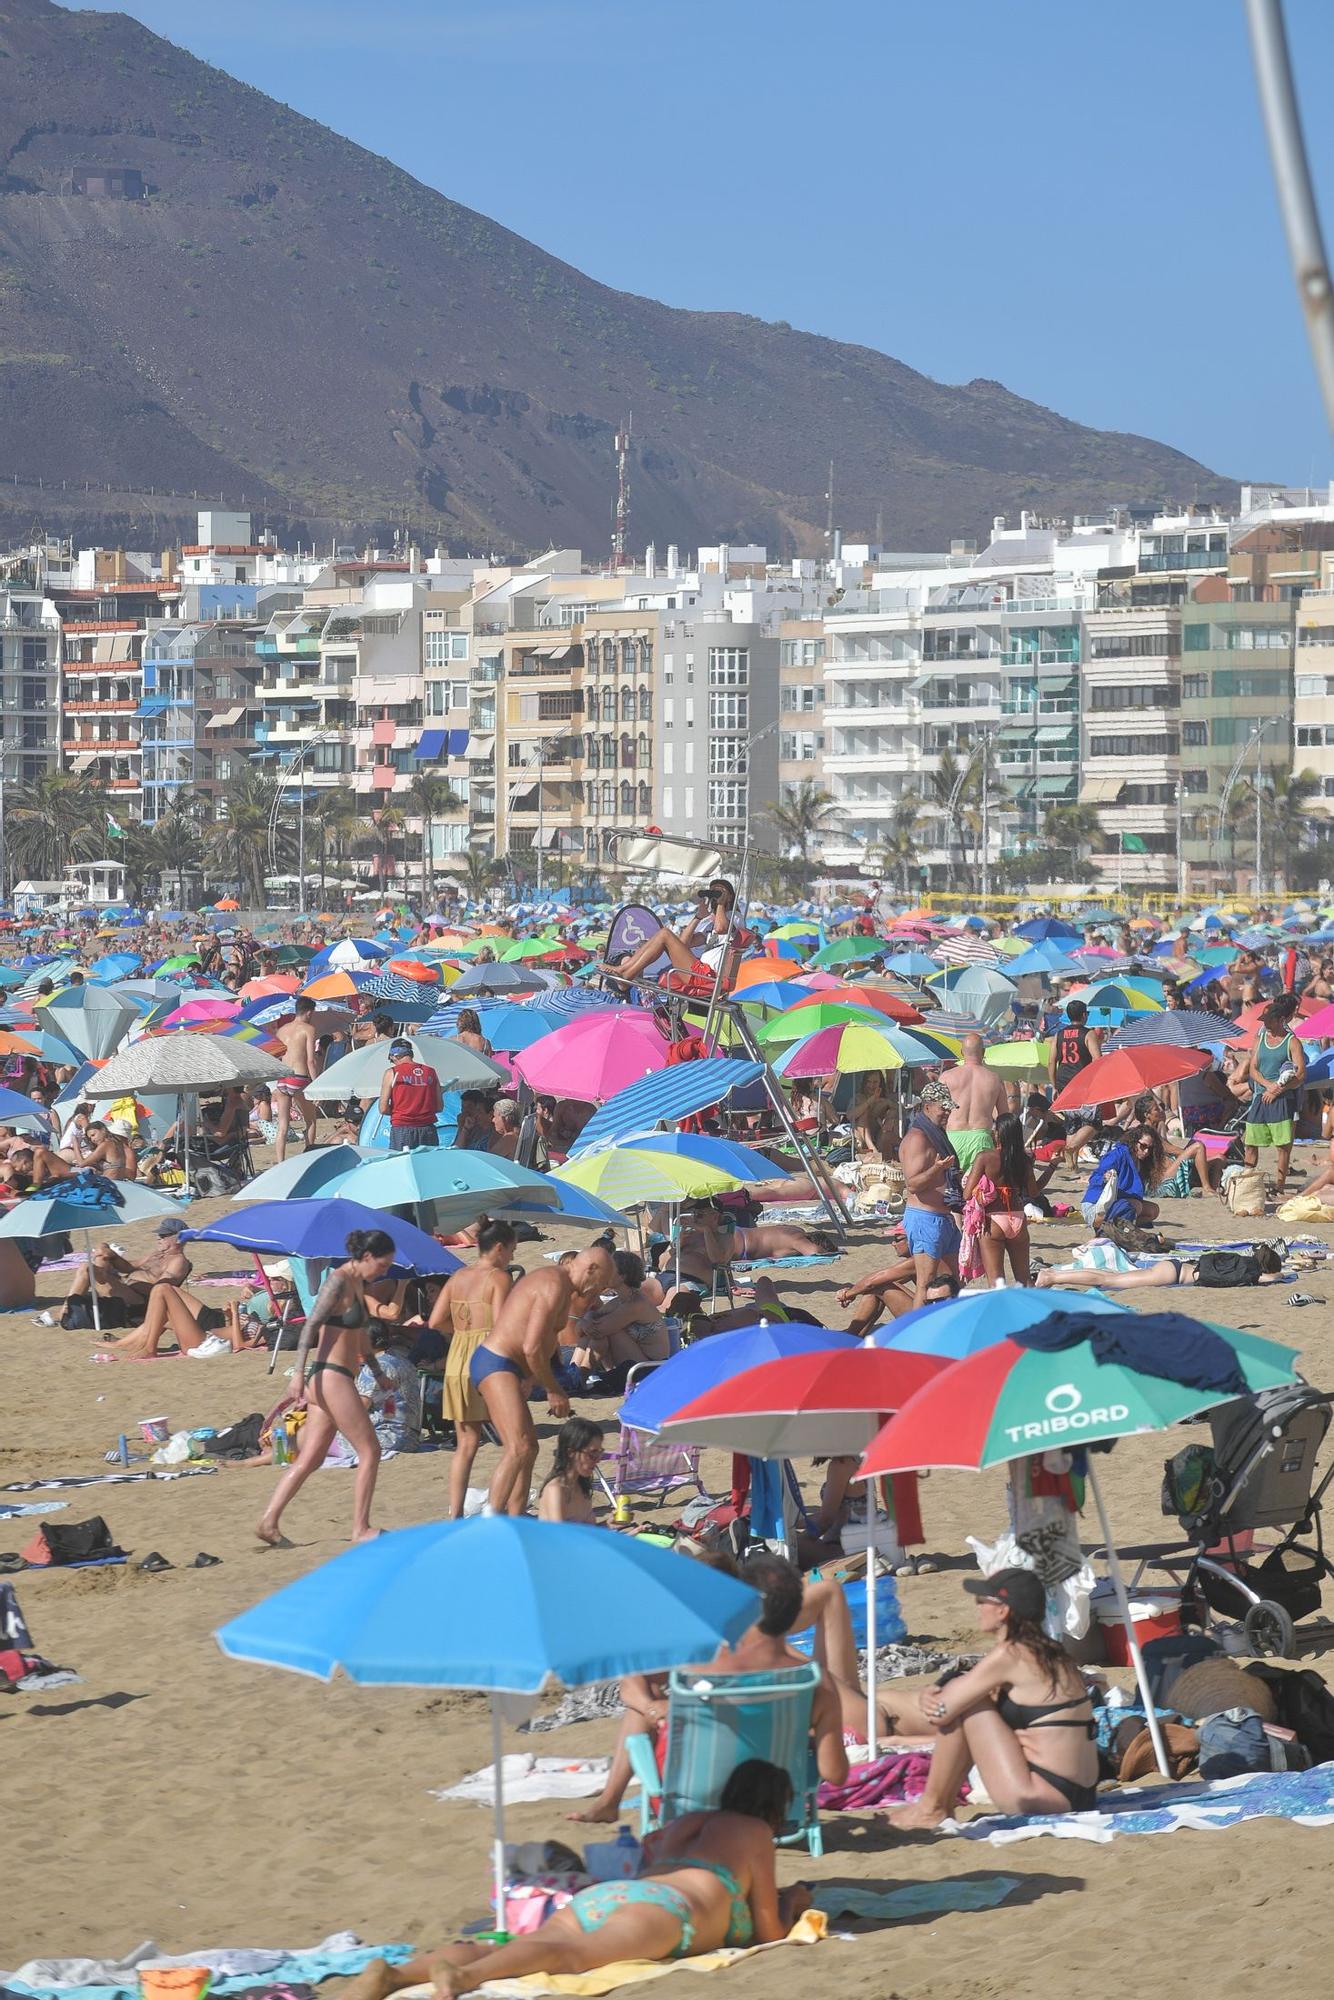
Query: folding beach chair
x,y
717,1721
645,1466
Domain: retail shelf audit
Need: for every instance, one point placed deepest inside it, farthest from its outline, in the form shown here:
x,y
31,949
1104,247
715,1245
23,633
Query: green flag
x,y
1132,844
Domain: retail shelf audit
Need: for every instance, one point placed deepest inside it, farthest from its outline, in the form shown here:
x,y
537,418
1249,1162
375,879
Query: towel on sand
x,y
809,1929
526,1777
913,1899
1305,1797
233,1969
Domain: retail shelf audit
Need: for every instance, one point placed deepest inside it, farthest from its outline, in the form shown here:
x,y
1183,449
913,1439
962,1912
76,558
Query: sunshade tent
x,y
1007,1400
594,1056
388,1613
359,1073
92,1019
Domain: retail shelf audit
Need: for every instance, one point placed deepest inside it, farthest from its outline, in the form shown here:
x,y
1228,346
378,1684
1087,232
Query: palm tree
x,y
954,795
803,818
138,852
430,797
249,799
335,815
896,851
380,834
1285,814
178,839
51,821
480,873
1068,830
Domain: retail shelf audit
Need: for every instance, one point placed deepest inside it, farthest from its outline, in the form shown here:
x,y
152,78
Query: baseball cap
x,y
172,1225
1019,1590
398,1047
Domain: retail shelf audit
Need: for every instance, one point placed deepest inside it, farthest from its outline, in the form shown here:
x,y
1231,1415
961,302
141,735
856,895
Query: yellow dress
x,y
461,1401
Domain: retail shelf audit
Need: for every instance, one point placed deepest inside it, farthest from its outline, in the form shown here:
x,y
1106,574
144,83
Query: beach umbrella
x,y
319,1227
844,951
1007,1399
1043,963
954,1328
595,1056
669,1095
778,993
821,1012
530,947
205,1009
1045,930
891,998
1018,1056
856,1046
960,948
358,1073
92,1019
627,1177
184,1063
1126,1072
113,965
80,1205
815,1405
981,990
1113,993
16,1045
911,964
271,985
1185,1027
387,1612
743,1163
310,1173
694,1370
346,955
1317,1026
460,1184
503,979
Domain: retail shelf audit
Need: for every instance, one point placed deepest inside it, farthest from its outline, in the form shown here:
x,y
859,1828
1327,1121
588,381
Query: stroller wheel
x,y
1269,1631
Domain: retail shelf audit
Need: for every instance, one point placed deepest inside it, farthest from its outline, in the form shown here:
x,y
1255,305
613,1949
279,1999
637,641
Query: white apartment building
x,y
1313,706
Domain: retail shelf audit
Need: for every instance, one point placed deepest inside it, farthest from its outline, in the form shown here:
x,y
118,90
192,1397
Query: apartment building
x,y
1130,738
199,709
1236,722
801,719
29,679
1313,705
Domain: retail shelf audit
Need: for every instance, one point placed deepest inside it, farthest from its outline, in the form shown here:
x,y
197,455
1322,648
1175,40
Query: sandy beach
x,y
177,1795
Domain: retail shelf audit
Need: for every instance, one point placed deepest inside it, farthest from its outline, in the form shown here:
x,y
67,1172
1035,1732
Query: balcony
x,y
1162,562
1039,711
1031,657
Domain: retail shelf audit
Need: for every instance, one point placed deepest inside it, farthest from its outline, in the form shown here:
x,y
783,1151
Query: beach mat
x,y
235,1970
1304,1797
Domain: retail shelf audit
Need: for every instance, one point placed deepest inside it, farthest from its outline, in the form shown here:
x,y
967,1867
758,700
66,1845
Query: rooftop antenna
x,y
619,558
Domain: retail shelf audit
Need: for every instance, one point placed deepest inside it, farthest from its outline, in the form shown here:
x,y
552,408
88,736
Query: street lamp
x,y
295,766
1256,738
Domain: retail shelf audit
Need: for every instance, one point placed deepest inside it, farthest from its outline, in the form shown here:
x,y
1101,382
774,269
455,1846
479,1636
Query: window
x,y
1195,735
627,753
729,711
1310,685
608,795
729,666
690,803
1258,638
666,801
667,664
1235,681
627,798
1315,635
627,704
629,656
726,755
1194,687
1195,638
591,756
799,745
222,767
646,704
1133,746
609,753
690,760
608,704
727,799
801,652
1314,738
1136,646
667,758
800,700
668,710
32,694
442,647
1160,696
1194,781
643,751
34,658
690,706
1327,788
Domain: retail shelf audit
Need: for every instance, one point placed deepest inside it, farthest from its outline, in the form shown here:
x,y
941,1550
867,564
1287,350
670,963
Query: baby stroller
x,y
1259,1474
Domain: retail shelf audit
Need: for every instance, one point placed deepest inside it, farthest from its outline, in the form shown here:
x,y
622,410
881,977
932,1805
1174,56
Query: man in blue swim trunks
x,y
934,1192
522,1345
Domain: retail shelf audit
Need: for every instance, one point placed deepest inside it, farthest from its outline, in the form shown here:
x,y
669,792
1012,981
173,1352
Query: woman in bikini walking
x,y
339,1321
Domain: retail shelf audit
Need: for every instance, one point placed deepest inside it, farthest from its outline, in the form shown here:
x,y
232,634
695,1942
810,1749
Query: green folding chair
x,y
716,1721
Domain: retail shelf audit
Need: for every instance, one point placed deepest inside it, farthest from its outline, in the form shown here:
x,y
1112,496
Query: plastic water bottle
x,y
282,1451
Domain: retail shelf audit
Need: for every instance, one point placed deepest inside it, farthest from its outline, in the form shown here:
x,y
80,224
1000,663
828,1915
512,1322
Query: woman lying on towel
x,y
1022,1715
1217,1269
708,1881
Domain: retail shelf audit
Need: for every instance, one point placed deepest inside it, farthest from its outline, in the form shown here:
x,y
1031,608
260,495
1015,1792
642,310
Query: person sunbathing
x,y
171,1310
708,1881
693,953
1217,1269
1025,1700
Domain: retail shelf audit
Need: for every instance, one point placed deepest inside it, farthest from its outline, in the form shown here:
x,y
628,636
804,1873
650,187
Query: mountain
x,y
285,316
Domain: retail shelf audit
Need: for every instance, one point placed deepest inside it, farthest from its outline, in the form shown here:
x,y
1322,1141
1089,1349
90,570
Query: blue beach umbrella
x,y
954,1328
458,1183
84,1206
506,1605
319,1227
912,964
307,1175
693,1370
1046,930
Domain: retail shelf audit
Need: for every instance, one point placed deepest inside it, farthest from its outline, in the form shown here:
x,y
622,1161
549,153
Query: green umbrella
x,y
844,950
530,947
294,954
181,963
627,1178
1018,1056
803,1021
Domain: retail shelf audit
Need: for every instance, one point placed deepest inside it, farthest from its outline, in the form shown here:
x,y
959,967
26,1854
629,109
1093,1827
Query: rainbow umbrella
x,y
858,1046
628,1177
809,1020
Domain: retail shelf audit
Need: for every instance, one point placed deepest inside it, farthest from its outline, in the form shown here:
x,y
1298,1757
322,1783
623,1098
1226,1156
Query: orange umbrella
x,y
753,972
14,1045
334,986
270,982
412,968
227,903
875,997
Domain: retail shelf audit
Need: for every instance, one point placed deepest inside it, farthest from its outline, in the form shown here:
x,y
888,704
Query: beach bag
x,y
1235,1741
1304,1704
75,1542
1245,1191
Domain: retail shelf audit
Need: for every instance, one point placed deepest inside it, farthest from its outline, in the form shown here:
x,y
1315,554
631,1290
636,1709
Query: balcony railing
x,y
1040,656
1158,562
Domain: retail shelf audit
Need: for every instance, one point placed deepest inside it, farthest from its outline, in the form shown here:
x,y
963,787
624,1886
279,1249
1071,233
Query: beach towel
x,y
895,1779
11,1512
1304,1797
782,1263
528,1777
234,1969
809,1929
913,1899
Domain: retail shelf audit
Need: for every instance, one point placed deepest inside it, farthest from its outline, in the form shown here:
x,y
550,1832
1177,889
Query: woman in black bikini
x,y
340,1321
991,1715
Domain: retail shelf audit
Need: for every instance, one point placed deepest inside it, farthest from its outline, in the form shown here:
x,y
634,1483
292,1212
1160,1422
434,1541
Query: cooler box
x,y
1156,1615
890,1629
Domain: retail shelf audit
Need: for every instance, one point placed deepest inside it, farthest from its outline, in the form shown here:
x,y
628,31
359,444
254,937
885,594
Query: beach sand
x,y
178,1795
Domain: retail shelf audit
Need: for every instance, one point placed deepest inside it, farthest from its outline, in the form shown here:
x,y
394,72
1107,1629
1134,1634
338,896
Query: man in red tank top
x,y
410,1099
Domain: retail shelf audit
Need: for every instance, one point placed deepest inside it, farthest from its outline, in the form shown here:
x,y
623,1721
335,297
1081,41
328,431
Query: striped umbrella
x,y
627,1177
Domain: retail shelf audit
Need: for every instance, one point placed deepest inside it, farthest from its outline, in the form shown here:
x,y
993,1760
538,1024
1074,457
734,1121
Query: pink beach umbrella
x,y
595,1055
207,1008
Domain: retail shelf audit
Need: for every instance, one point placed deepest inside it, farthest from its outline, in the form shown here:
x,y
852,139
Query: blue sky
x,y
1072,198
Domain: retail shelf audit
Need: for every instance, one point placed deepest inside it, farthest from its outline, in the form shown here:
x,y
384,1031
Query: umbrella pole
x,y
92,1288
1123,1605
499,1934
872,1522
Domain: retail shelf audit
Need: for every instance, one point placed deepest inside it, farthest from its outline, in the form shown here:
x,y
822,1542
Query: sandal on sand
x,y
1302,1299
